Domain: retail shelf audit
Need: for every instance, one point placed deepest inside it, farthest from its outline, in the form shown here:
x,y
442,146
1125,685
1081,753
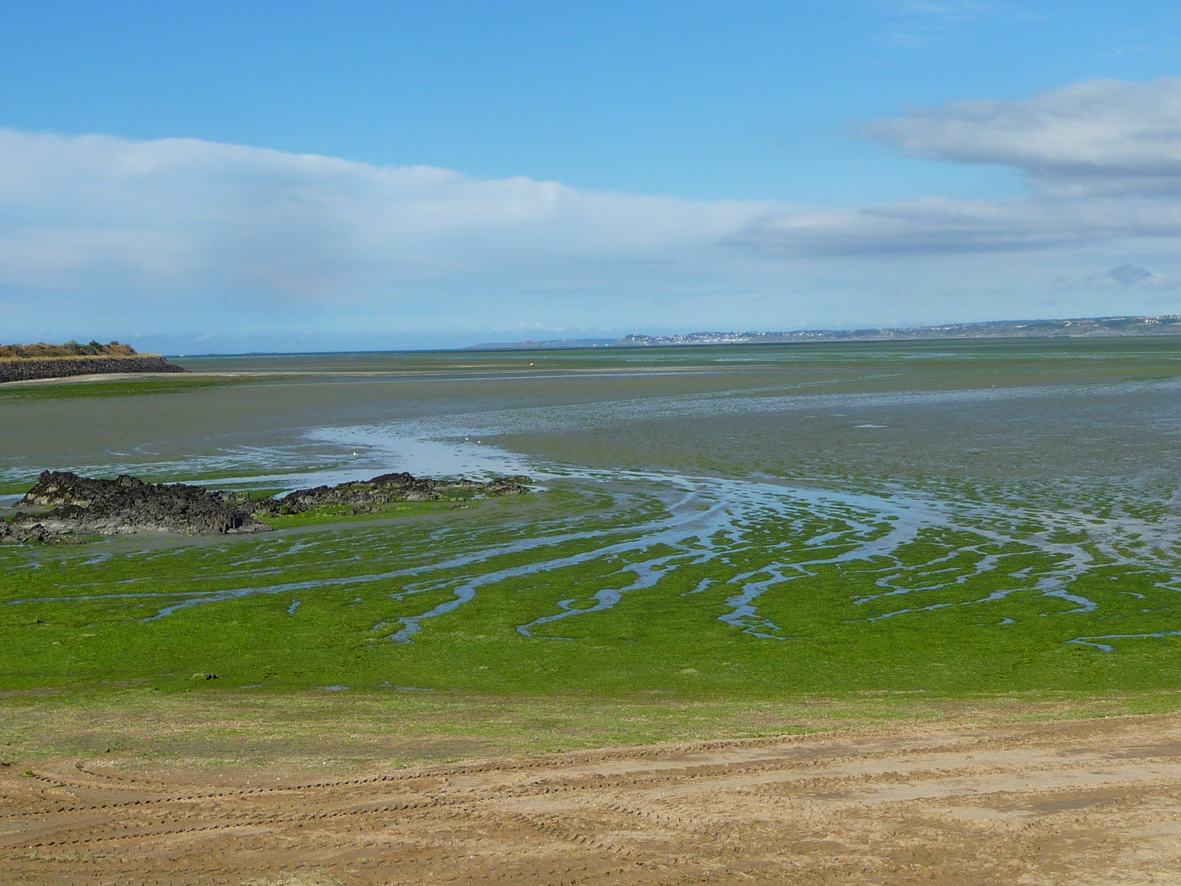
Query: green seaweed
x,y
660,639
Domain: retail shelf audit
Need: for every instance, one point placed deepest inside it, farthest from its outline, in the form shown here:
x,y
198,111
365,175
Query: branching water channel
x,y
920,549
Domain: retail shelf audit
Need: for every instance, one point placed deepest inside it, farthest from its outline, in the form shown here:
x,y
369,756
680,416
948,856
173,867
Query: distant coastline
x,y
1082,327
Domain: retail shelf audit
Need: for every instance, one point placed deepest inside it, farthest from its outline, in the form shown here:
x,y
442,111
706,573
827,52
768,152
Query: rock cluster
x,y
128,505
367,494
19,535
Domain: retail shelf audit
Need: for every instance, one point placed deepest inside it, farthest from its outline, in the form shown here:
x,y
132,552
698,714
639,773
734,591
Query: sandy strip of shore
x,y
1093,801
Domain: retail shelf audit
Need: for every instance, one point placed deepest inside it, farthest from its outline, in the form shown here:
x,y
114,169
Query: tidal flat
x,y
964,519
860,612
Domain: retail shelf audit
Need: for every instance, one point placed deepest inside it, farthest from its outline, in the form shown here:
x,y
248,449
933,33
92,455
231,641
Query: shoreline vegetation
x,y
42,350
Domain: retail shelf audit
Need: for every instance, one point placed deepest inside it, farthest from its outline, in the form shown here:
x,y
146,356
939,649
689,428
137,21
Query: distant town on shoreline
x,y
1168,324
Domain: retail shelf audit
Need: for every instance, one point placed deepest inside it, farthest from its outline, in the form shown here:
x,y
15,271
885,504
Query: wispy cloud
x,y
923,227
1102,159
1101,136
1131,276
193,214
918,23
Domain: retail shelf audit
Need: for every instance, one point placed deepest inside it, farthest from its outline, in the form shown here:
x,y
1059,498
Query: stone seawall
x,y
26,370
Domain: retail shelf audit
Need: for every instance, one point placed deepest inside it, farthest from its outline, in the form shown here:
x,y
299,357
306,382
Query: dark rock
x,y
27,370
129,505
367,495
16,534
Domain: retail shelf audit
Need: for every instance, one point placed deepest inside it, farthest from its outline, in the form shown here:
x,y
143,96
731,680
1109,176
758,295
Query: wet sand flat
x,y
955,801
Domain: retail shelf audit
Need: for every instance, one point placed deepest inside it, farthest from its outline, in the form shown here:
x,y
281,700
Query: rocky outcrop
x,y
36,533
27,370
128,505
364,495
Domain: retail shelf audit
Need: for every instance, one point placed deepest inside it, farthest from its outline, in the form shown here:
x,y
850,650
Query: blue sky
x,y
498,171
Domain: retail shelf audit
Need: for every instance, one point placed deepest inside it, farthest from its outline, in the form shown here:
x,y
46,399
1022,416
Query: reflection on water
x,y
405,447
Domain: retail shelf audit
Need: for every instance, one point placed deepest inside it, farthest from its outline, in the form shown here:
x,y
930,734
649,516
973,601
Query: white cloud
x,y
184,238
193,215
1103,160
1101,136
923,227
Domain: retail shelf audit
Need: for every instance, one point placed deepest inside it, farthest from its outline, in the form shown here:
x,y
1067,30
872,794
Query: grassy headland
x,y
43,351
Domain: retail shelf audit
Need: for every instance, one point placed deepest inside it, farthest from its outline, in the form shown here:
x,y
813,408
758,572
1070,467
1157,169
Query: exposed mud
x,y
1078,802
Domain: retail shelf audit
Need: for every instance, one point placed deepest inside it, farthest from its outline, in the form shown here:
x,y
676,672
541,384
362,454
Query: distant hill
x,y
1083,327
